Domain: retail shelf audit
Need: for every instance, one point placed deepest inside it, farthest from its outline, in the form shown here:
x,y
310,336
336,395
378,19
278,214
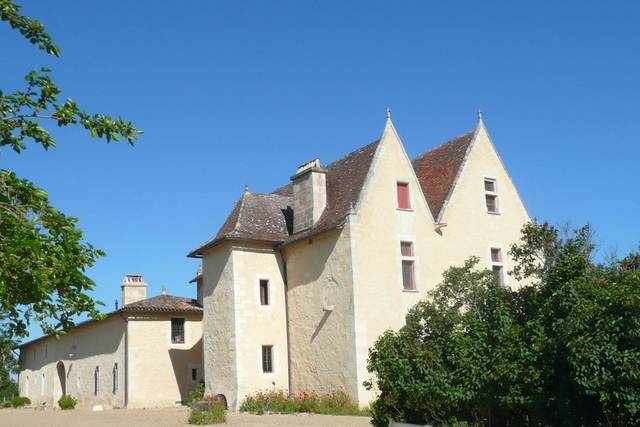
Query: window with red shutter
x,y
403,196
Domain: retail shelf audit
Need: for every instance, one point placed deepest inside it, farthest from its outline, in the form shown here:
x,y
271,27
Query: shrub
x,y
279,401
5,404
210,414
196,395
67,402
563,349
20,401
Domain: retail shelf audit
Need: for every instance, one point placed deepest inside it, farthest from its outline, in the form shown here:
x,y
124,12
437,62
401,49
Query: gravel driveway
x,y
160,417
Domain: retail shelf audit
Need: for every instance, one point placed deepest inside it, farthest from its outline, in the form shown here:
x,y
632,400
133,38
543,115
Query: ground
x,y
160,417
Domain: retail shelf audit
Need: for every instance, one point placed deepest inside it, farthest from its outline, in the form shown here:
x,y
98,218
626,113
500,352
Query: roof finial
x,y
388,110
480,115
164,290
246,188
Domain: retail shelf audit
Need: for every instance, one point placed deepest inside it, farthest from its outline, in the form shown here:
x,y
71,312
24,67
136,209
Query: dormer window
x,y
403,195
491,195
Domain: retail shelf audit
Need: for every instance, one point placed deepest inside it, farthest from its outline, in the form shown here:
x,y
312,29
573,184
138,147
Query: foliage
x,y
564,349
20,401
210,414
43,255
196,394
279,401
67,402
8,368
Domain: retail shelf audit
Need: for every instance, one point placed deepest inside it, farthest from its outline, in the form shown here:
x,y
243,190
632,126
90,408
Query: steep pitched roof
x,y
345,179
269,218
438,168
257,217
164,303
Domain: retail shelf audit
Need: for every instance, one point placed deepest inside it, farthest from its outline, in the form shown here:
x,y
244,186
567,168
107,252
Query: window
x,y
194,374
267,358
96,381
264,292
177,330
408,280
490,195
114,378
403,196
496,265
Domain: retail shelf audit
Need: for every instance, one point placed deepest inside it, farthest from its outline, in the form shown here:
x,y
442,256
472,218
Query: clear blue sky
x,y
230,93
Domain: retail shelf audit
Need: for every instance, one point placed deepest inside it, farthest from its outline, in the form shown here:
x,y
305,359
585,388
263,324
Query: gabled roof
x,y
268,217
164,303
438,168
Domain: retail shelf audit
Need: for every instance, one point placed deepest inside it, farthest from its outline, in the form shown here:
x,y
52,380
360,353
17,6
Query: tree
x,y
562,350
43,254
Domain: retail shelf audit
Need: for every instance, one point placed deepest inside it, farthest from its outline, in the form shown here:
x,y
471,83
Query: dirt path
x,y
160,417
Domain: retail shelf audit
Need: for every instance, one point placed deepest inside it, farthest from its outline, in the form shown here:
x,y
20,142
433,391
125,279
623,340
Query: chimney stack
x,y
309,194
134,288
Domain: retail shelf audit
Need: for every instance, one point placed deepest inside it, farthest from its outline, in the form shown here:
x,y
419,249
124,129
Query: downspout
x,y
126,360
286,318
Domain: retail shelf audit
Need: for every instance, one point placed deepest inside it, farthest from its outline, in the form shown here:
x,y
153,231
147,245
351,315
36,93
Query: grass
x,y
281,402
211,414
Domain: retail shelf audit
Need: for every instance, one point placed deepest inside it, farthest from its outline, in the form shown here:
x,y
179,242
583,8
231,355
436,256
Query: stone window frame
x,y
272,372
493,194
408,259
184,331
500,263
268,295
96,380
407,185
199,372
115,378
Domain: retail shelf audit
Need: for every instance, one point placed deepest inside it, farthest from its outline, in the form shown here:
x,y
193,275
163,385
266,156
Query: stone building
x,y
147,353
299,283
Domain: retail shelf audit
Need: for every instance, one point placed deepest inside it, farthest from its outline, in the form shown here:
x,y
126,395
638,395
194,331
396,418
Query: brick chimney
x,y
309,194
134,288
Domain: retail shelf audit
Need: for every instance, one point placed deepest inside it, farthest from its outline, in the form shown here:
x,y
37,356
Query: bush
x,y
563,349
20,401
67,402
196,395
210,414
5,404
279,401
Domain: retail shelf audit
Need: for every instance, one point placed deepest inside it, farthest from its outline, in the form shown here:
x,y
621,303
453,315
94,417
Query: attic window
x,y
491,195
403,195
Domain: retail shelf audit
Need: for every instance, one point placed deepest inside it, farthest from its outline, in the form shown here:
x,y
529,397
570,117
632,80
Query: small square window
x,y
406,248
408,282
496,255
492,203
177,330
267,358
264,292
194,374
403,196
490,185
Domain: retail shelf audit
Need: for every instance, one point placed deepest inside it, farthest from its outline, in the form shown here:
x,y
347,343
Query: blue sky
x,y
230,93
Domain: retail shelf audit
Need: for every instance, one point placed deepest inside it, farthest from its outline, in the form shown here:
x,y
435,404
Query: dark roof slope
x,y
269,218
437,170
165,303
345,179
256,216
